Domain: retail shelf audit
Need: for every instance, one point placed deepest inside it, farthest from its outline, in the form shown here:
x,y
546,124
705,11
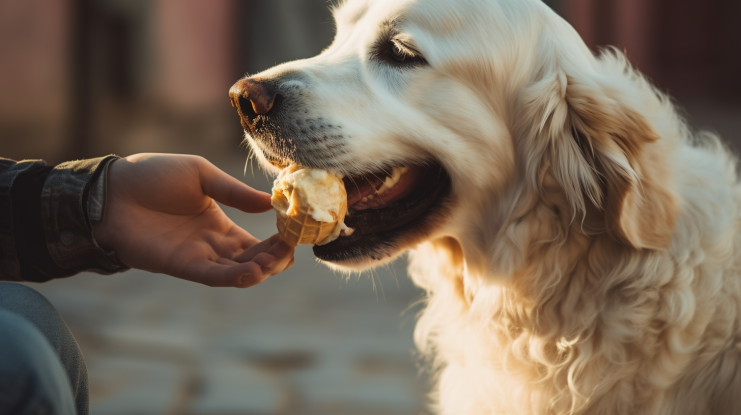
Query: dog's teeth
x,y
364,199
391,181
370,197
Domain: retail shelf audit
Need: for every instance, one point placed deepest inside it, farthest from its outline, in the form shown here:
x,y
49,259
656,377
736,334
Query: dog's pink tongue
x,y
362,192
358,187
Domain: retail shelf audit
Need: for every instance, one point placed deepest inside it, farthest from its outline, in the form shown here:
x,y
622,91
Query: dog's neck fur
x,y
530,321
579,323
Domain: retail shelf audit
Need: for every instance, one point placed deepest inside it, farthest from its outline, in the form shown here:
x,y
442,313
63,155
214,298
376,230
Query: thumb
x,y
228,190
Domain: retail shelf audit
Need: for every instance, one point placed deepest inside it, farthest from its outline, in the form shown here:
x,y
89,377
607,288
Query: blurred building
x,y
33,75
691,48
87,77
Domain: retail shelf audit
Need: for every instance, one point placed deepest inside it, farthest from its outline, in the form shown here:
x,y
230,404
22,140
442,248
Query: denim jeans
x,y
42,370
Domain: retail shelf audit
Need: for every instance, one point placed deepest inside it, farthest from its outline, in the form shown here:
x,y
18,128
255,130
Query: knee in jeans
x,y
32,379
32,307
14,296
21,343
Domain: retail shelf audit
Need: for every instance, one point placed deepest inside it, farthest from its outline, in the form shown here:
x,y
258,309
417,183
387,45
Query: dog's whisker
x,y
380,284
392,269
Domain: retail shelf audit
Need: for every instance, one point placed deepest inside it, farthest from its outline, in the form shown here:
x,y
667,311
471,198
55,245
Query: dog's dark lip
x,y
377,229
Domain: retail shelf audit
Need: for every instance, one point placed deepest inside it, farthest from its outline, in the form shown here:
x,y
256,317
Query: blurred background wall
x,y
690,48
87,77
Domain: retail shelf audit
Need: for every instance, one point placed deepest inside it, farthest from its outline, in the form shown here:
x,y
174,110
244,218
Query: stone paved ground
x,y
306,342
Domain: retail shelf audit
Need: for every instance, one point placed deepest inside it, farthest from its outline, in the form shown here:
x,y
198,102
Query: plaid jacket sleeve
x,y
45,229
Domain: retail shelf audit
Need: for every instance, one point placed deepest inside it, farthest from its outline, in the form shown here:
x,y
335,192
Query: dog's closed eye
x,y
394,52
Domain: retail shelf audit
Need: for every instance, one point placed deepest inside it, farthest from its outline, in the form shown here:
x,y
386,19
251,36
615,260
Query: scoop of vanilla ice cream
x,y
315,190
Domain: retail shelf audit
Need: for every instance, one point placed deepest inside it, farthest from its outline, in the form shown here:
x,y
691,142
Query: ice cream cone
x,y
301,199
300,228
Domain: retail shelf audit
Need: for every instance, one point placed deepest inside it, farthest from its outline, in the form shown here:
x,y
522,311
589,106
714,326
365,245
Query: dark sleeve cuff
x,y
34,259
69,235
10,173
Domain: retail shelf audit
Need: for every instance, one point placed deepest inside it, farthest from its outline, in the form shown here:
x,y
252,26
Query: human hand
x,y
161,216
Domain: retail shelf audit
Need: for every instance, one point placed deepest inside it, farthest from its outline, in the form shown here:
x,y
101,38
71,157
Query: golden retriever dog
x,y
578,244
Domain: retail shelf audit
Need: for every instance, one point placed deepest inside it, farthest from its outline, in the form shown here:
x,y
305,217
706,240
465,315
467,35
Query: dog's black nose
x,y
252,97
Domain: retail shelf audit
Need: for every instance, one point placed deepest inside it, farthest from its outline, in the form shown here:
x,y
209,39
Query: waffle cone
x,y
300,228
295,214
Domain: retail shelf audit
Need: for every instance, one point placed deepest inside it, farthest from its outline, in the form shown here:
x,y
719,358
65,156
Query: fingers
x,y
274,255
249,268
222,274
290,264
276,259
228,190
263,246
225,261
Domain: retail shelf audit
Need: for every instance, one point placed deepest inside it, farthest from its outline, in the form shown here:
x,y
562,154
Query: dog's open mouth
x,y
384,205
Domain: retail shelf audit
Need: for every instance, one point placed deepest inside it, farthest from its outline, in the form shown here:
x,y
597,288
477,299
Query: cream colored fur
x,y
590,263
610,283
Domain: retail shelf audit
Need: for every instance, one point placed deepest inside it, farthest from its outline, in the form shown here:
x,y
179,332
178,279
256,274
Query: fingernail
x,y
246,278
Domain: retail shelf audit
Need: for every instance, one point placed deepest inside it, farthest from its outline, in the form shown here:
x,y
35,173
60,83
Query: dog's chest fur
x,y
588,325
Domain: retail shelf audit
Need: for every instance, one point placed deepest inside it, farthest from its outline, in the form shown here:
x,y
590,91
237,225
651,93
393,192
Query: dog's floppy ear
x,y
603,151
